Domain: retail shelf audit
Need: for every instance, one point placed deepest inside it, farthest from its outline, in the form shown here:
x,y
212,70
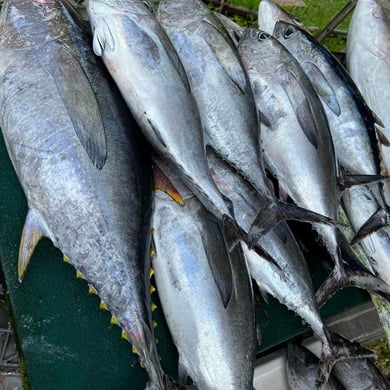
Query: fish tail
x,y
379,219
334,350
274,212
350,276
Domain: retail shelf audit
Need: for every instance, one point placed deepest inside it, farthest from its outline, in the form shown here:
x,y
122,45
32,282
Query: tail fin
x,y
350,272
340,349
274,212
378,220
351,277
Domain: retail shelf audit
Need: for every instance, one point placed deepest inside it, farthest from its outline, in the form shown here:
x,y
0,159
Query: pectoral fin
x,y
322,87
219,45
302,107
80,102
31,235
220,263
103,38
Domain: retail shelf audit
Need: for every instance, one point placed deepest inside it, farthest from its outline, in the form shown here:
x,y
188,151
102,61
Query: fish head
x,y
291,35
270,13
29,23
258,45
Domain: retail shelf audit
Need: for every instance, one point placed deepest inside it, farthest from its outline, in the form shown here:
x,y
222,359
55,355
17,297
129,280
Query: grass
x,y
315,14
382,349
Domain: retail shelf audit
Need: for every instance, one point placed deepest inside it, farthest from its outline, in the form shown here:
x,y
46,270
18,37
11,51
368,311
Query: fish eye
x,y
288,32
263,36
148,5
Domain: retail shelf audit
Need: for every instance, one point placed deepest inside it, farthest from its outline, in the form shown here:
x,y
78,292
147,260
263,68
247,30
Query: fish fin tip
x,y
162,183
31,235
378,220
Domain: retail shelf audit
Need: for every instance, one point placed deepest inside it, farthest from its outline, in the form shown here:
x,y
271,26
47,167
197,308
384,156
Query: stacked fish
x,y
246,130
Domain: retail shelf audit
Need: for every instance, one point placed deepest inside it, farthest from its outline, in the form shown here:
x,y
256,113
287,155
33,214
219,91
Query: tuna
x,y
79,158
205,291
298,149
368,62
151,78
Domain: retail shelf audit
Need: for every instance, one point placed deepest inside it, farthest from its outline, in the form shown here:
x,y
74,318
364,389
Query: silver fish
x,y
219,85
72,119
360,374
223,95
301,368
276,263
234,30
352,125
368,62
294,125
147,70
302,365
351,122
295,136
205,293
269,13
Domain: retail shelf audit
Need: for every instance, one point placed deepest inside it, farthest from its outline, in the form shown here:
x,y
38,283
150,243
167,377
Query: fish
x,y
301,368
224,99
368,62
381,305
143,63
293,123
269,13
234,30
302,364
360,204
204,289
351,121
81,162
360,374
276,263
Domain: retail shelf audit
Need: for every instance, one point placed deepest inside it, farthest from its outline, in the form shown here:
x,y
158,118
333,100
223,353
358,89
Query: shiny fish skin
x,y
216,344
155,87
295,135
301,367
79,207
286,276
360,203
219,84
269,13
350,120
368,62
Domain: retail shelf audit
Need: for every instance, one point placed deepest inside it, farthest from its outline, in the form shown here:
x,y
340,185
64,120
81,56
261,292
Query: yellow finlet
x,y
66,259
79,275
153,230
92,290
154,324
153,306
152,252
124,335
151,272
114,320
134,349
152,289
103,306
